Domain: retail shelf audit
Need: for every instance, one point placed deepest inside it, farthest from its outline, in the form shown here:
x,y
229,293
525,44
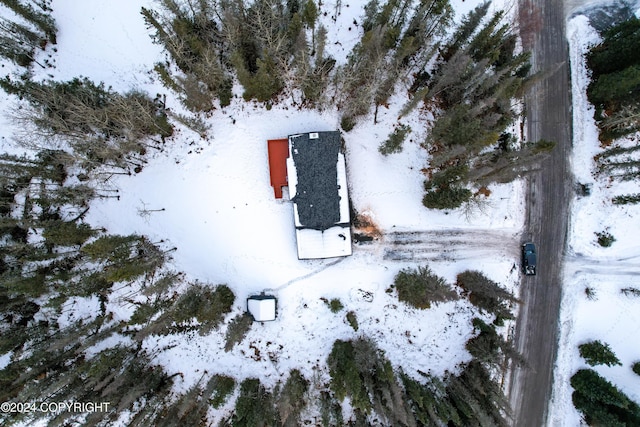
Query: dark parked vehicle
x,y
529,259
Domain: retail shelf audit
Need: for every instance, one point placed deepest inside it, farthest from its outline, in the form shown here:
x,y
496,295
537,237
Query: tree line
x,y
77,134
473,91
264,44
614,90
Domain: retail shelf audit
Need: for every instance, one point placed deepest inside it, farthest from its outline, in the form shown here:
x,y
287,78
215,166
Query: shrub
x,y
598,353
419,288
630,292
223,387
352,320
237,330
335,305
394,142
636,368
347,123
626,199
605,239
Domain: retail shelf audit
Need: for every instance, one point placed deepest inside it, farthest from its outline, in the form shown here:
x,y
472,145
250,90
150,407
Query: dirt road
x,y
549,193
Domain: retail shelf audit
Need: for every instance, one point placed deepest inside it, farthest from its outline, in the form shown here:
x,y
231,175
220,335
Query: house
x,y
317,178
262,307
317,181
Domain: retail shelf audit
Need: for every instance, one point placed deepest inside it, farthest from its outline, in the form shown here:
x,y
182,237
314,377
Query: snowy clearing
x,y
209,197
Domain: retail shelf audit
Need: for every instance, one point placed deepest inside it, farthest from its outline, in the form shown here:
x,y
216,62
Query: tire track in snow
x,y
580,264
449,244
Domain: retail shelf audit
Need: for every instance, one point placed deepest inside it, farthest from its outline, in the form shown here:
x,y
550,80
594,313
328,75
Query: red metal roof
x,y
278,153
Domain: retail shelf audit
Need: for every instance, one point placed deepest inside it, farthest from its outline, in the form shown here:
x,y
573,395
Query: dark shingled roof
x,y
316,162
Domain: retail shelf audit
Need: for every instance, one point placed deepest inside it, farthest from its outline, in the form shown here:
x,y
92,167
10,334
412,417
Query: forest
x,y
77,134
614,90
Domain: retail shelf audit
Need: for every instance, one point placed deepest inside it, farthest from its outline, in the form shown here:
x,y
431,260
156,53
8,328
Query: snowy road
x,y
549,193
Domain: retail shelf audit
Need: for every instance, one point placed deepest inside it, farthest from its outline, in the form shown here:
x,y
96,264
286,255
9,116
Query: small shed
x,y
262,307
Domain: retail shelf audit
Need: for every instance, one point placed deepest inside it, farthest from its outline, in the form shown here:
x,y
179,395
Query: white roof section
x,y
333,242
262,308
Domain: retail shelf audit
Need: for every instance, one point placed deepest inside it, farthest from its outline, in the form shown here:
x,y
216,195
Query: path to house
x,y
320,269
548,197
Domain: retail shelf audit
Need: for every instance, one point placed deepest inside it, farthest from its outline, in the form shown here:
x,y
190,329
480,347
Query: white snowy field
x,y
610,317
209,196
220,213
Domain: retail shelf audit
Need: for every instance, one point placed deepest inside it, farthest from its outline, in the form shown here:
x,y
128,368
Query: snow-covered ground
x,y
209,196
220,214
611,317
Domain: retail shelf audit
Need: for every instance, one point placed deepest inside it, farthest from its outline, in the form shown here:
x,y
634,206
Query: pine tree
x,y
42,20
291,399
618,49
62,233
601,402
615,87
486,294
237,330
255,406
419,288
598,353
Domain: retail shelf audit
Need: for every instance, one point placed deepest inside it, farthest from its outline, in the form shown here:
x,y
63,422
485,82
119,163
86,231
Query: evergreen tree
x,y
618,49
291,399
41,19
616,87
102,126
486,294
419,288
62,233
601,402
598,353
255,406
237,330
360,371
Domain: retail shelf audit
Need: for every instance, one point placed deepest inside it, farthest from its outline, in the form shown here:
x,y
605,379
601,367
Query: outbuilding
x,y
262,307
